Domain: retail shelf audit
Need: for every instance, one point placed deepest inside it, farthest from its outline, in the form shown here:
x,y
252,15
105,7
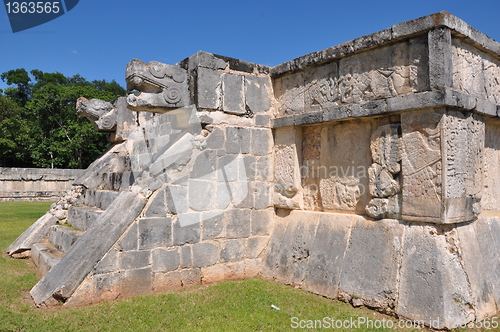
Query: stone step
x,y
101,199
45,255
82,217
63,237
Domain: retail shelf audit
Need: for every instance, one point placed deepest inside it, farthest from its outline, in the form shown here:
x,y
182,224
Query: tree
x,y
40,128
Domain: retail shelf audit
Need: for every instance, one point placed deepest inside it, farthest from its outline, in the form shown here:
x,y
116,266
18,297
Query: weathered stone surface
x,y
212,224
134,259
186,229
257,94
34,234
109,263
232,250
237,140
440,58
372,260
327,254
233,94
288,153
154,232
165,260
202,194
136,282
101,113
63,237
209,88
382,183
344,158
433,285
262,142
205,254
261,222
157,206
378,208
386,147
238,223
256,245
66,276
130,241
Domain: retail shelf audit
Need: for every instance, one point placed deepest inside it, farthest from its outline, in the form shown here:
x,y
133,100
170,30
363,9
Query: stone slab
x,y
64,278
34,234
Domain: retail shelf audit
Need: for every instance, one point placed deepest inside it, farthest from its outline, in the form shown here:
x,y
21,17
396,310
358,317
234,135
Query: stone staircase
x,y
62,236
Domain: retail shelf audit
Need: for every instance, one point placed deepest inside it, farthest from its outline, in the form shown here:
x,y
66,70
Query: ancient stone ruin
x,y
368,172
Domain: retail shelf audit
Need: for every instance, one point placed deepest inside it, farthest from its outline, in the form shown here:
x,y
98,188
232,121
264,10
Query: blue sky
x,y
97,38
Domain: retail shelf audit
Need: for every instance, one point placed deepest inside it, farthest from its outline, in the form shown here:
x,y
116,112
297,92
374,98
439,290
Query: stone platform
x,y
366,172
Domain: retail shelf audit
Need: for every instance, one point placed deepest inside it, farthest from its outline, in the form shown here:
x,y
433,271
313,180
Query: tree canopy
x,y
39,126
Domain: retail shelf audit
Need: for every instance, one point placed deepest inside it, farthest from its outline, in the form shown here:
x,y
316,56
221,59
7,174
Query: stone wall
x,y
366,172
33,184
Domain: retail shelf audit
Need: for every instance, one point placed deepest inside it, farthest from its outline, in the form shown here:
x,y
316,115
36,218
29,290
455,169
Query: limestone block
x,y
468,69
34,234
327,254
186,256
107,286
204,166
136,282
371,262
205,254
209,88
378,208
186,228
433,285
233,94
440,58
237,140
386,147
442,165
261,222
262,120
164,260
176,199
167,281
232,250
323,88
154,232
344,159
215,139
256,245
109,263
191,277
288,155
382,183
157,204
214,273
475,268
293,256
272,256
134,259
227,168
491,181
262,142
212,224
238,223
257,94
130,240
202,194
289,91
262,195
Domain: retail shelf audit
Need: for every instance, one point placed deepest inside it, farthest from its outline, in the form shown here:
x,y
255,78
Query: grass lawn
x,y
227,306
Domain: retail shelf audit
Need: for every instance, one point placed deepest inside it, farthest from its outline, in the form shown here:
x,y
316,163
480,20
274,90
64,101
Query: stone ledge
x,y
422,100
396,32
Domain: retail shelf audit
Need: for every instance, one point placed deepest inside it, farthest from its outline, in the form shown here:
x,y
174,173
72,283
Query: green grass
x,y
227,306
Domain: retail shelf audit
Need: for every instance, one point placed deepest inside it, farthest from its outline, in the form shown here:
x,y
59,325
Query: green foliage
x,y
39,126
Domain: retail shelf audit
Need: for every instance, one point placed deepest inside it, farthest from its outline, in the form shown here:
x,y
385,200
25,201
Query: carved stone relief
x,y
422,165
288,154
491,182
344,161
383,177
382,73
475,72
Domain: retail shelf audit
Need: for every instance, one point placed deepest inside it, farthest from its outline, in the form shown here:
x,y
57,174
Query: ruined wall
x,y
366,172
34,183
